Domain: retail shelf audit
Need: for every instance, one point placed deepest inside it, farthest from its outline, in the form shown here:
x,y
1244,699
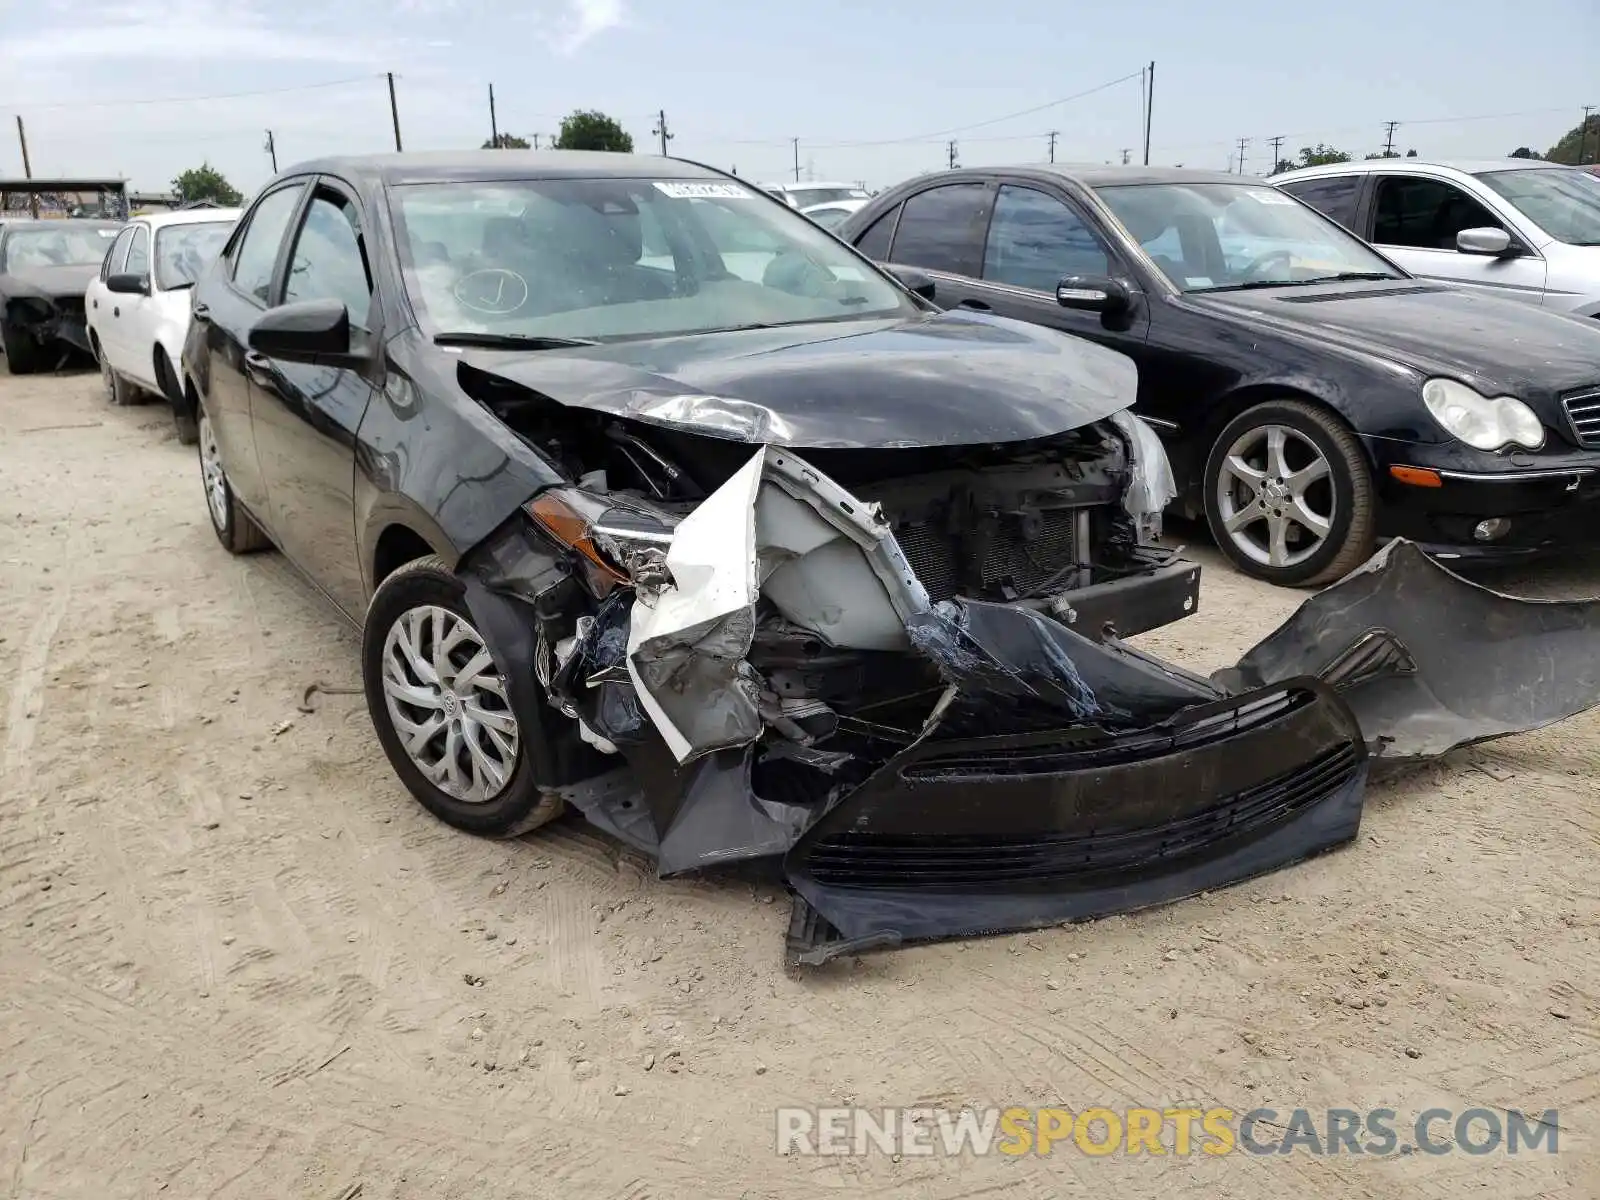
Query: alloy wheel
x,y
1275,496
216,482
447,701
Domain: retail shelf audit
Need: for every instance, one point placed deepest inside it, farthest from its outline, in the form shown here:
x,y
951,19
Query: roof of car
x,y
450,166
1102,175
1467,166
11,223
188,216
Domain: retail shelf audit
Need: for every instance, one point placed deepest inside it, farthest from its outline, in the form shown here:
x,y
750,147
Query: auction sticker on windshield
x,y
696,191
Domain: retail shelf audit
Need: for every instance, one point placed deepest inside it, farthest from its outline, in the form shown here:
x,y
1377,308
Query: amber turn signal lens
x,y
1417,476
571,528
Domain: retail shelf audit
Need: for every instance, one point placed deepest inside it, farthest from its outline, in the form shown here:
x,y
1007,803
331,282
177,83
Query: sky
x,y
872,89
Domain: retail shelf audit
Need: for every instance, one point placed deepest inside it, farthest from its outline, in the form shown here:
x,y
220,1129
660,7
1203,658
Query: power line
x,y
304,87
941,133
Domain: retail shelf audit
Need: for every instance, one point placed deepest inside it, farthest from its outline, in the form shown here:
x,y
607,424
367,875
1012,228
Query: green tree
x,y
1316,156
506,141
592,130
205,182
1580,144
1284,164
1524,152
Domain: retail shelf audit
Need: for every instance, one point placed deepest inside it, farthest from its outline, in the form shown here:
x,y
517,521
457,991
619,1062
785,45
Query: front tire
x,y
24,355
438,700
1289,496
235,528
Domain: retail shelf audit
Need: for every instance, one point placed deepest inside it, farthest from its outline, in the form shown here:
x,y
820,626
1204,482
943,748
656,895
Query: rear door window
x,y
941,229
1332,195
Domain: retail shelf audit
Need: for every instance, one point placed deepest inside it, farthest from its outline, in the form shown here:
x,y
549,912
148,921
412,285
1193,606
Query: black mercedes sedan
x,y
655,500
1314,398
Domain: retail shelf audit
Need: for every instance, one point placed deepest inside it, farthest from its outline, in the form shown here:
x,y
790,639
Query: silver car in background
x,y
1515,227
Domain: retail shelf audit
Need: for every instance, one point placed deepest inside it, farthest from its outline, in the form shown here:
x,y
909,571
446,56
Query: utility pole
x,y
661,131
1277,151
796,143
1583,135
1388,138
27,168
1126,152
954,162
1243,142
494,126
1053,135
1149,108
272,151
394,111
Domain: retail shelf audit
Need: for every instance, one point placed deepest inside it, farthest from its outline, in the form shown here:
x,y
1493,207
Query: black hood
x,y
54,282
1499,346
948,379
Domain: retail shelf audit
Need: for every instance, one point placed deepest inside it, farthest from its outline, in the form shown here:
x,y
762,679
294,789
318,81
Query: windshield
x,y
1563,203
623,258
61,246
1207,237
184,251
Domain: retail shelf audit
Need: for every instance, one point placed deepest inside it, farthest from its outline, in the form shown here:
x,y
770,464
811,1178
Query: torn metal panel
x,y
688,643
1428,660
1151,486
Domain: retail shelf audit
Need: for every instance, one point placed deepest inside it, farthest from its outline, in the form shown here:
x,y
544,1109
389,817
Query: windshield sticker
x,y
1268,196
697,191
1197,281
108,233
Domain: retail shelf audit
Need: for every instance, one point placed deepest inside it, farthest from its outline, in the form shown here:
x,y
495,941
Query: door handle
x,y
116,312
257,360
202,311
978,305
97,303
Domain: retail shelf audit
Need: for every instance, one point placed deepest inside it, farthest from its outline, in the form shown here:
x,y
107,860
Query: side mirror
x,y
312,331
1487,240
128,285
1094,293
913,281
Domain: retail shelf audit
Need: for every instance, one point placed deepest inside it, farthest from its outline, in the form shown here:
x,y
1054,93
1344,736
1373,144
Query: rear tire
x,y
24,355
117,389
474,770
1289,496
235,528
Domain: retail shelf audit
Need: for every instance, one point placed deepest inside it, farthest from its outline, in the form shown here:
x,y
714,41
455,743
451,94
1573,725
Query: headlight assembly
x,y
1483,422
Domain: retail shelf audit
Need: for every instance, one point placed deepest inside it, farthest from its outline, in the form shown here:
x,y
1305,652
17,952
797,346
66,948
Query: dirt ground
x,y
234,953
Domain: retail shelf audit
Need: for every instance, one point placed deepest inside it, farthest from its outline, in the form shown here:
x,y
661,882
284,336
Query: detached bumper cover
x,y
1002,833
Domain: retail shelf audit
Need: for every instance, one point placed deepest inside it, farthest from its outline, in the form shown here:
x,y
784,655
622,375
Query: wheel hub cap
x,y
446,699
1275,496
216,482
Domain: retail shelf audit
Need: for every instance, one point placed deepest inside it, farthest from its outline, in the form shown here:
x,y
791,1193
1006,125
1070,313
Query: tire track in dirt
x,y
27,696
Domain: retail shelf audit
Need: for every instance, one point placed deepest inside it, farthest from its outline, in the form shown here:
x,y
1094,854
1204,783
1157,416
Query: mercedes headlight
x,y
1483,422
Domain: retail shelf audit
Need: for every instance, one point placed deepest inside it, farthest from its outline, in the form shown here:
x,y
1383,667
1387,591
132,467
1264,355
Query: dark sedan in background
x,y
1314,397
44,268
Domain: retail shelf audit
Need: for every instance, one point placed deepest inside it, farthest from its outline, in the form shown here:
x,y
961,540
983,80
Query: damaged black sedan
x,y
45,266
655,501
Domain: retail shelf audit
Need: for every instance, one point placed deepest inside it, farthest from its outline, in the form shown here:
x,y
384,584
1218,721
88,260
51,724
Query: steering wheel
x,y
491,291
1258,263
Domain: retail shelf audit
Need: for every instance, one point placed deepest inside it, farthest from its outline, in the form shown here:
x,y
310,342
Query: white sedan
x,y
138,306
833,213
